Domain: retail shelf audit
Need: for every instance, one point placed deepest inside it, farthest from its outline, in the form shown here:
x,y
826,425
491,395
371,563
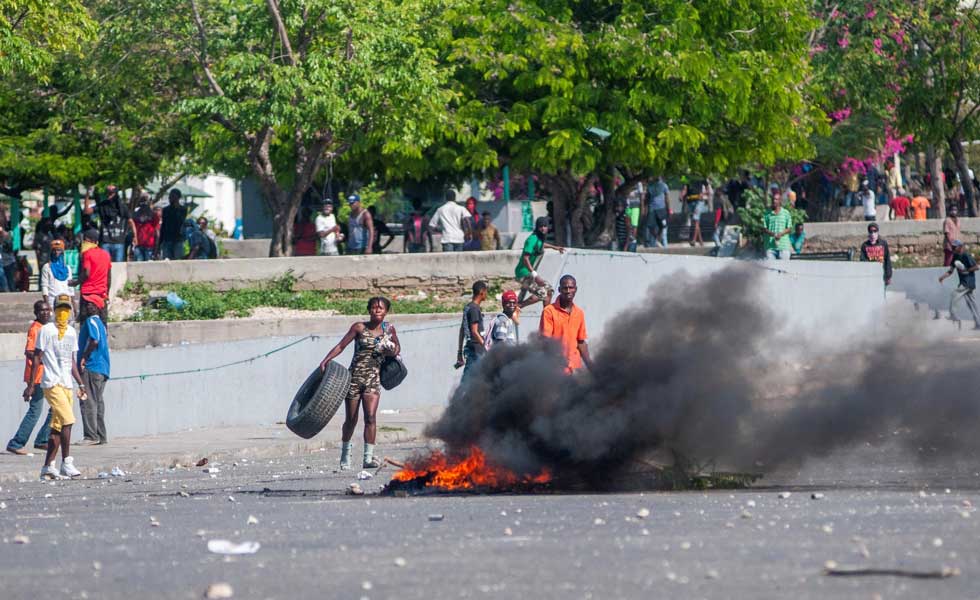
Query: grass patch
x,y
204,302
386,428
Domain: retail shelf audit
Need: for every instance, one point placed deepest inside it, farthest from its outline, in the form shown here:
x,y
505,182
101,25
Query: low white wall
x,y
826,299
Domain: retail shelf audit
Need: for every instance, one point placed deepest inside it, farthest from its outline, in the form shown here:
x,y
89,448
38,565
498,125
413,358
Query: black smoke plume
x,y
703,369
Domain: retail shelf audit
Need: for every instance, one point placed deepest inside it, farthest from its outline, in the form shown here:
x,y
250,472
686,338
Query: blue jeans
x,y
471,359
116,251
174,250
452,247
141,254
27,424
778,254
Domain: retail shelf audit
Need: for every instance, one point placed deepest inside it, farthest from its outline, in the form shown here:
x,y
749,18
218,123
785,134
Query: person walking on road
x,y
505,328
57,346
966,267
42,314
374,340
533,287
56,275
777,224
875,249
565,322
951,232
657,213
93,364
472,344
452,220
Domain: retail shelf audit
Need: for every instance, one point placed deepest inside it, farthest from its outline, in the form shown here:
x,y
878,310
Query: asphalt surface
x,y
147,535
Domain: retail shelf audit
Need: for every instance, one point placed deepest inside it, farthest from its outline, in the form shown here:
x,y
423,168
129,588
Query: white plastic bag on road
x,y
228,547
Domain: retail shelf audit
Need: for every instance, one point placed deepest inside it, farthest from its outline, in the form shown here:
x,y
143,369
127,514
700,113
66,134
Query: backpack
x,y
212,246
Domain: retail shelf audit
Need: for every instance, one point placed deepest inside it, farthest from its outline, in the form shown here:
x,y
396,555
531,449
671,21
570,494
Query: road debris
x,y
400,562
21,539
354,489
436,517
103,475
219,590
201,462
117,472
183,494
784,495
941,573
252,520
212,470
228,547
816,496
643,513
364,475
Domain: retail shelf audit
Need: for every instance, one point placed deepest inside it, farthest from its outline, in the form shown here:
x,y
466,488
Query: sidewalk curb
x,y
189,459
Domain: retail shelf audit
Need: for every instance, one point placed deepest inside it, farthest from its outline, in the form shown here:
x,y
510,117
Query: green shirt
x,y
533,249
777,223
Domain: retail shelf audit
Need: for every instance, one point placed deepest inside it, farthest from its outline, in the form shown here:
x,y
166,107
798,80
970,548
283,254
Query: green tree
x,y
678,85
278,88
34,32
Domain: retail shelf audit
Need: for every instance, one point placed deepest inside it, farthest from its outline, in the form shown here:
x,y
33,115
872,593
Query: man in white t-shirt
x,y
451,220
328,230
57,344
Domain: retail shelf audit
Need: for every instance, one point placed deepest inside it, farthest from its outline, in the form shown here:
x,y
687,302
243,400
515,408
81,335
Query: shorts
x,y
364,380
530,286
60,399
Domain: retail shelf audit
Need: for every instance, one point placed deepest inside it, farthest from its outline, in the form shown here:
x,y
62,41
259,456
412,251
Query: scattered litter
x,y
643,513
966,503
937,542
21,539
816,496
212,470
117,472
183,494
508,531
48,495
103,475
231,499
599,521
400,562
354,489
784,495
366,585
365,475
227,547
827,528
201,462
389,411
3,505
711,574
750,504
252,520
219,590
941,573
746,514
436,517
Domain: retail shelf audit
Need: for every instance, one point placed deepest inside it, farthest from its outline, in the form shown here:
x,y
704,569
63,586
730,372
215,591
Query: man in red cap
x,y
95,273
504,328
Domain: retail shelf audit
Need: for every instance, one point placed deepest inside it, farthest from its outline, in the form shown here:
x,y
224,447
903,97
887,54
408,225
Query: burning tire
x,y
317,400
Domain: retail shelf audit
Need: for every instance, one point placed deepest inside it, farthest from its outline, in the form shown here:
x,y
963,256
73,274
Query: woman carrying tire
x,y
373,341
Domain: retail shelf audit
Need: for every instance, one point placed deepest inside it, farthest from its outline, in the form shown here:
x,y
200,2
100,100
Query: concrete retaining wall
x,y
904,237
828,299
387,271
922,286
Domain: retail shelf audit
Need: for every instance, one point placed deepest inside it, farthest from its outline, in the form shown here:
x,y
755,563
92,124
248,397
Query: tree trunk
x,y
562,191
966,184
581,220
935,163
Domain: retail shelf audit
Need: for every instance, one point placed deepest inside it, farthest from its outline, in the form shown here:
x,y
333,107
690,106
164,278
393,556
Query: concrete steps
x,y
904,315
17,311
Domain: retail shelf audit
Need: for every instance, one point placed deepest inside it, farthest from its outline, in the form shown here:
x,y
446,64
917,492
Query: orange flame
x,y
468,472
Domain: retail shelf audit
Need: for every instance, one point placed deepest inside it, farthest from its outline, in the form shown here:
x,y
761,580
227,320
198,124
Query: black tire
x,y
317,400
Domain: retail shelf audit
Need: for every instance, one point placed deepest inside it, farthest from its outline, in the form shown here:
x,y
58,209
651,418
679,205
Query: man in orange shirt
x,y
42,314
565,322
920,204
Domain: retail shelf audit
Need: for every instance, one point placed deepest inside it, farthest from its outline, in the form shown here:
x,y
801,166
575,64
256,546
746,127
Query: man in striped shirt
x,y
778,224
625,240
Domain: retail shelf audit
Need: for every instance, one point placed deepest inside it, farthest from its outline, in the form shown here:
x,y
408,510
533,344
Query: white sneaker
x,y
68,468
50,472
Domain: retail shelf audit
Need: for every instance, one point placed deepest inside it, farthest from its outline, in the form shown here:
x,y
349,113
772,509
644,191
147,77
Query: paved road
x,y
97,538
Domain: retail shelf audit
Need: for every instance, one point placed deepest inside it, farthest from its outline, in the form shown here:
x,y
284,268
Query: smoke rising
x,y
702,369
